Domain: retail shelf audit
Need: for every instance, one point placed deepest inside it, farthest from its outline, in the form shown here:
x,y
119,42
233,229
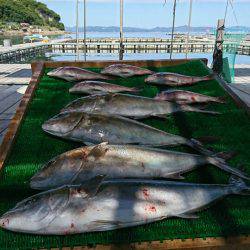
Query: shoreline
x,y
14,33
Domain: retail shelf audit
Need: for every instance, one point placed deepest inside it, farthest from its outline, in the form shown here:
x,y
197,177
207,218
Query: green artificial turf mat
x,y
33,148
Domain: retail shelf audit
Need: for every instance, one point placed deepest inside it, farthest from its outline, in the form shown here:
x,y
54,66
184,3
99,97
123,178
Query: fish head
x,y
61,170
151,78
86,104
34,214
66,73
55,72
62,124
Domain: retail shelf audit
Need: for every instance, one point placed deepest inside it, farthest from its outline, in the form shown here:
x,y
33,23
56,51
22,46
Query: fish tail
x,y
198,146
194,109
220,163
221,99
238,186
209,77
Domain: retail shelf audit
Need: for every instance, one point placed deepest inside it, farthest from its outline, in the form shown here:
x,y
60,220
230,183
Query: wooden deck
x,y
14,79
242,82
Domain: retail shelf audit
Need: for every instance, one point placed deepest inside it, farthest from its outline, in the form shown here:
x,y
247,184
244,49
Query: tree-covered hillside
x,y
28,11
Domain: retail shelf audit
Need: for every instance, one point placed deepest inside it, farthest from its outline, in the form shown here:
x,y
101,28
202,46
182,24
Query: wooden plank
x,y
6,115
8,102
101,64
8,91
10,136
231,243
239,242
4,124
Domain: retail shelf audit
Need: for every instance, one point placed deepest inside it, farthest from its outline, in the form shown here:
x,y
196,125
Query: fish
x,y
174,79
128,105
125,70
96,87
92,129
74,74
187,97
102,205
121,161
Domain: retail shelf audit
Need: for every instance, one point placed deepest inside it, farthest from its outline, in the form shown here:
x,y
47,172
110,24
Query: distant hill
x,y
28,11
179,29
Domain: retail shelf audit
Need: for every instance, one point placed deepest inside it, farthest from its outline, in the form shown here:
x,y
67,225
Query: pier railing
x,y
112,45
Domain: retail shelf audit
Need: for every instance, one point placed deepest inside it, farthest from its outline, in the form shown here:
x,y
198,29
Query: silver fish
x,y
128,105
174,79
97,128
120,161
125,70
99,205
74,74
96,87
187,97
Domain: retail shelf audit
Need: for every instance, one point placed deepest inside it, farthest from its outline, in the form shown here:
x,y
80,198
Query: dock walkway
x,y
14,79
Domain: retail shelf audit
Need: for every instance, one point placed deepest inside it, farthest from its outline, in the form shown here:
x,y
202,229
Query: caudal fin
x,y
238,186
194,109
220,163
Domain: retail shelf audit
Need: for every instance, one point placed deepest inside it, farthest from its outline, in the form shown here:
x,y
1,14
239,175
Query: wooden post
x,y
77,29
217,64
172,33
85,30
121,31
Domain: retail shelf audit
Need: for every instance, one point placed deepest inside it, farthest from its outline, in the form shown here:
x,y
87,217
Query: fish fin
x,y
99,150
198,146
194,109
226,155
188,216
239,186
107,222
91,187
208,139
220,163
221,99
176,176
161,116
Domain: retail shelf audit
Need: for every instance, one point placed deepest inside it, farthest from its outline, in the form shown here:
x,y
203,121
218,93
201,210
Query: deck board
x,y
241,85
14,79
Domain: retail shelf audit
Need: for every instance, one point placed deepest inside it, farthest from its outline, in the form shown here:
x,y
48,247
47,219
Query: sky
x,y
152,13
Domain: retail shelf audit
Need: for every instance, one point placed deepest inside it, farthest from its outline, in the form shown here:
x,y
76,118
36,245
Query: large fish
x,y
96,87
128,105
125,70
120,161
187,97
74,74
99,205
174,79
97,128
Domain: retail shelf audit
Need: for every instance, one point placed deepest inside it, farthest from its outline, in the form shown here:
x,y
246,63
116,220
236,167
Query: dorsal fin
x,y
91,187
99,150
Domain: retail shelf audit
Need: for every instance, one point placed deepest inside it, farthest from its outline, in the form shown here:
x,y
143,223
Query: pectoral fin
x,y
176,176
188,216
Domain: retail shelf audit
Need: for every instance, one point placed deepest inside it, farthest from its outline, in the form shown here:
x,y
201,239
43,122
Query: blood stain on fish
x,y
145,193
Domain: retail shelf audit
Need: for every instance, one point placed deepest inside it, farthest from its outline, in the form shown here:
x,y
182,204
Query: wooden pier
x,y
18,53
14,79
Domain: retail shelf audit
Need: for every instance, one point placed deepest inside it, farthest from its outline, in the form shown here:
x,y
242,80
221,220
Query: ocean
x,y
114,56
